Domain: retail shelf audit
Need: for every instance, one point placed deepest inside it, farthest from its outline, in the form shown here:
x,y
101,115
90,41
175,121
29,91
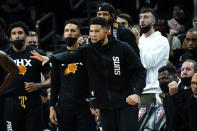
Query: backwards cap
x,y
106,7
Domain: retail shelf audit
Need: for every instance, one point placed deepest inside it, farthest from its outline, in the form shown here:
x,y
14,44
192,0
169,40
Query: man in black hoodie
x,y
115,29
112,66
193,104
180,95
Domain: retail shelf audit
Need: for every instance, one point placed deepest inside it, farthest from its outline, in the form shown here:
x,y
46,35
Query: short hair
x,y
194,63
180,6
170,68
192,30
126,17
99,21
72,21
106,7
32,33
151,10
18,24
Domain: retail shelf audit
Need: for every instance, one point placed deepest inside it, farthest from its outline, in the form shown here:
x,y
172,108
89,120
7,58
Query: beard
x,y
186,81
146,28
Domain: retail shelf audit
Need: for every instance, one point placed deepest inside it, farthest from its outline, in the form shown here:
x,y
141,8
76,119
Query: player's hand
x,y
173,88
53,116
136,34
95,112
81,40
133,99
39,57
30,86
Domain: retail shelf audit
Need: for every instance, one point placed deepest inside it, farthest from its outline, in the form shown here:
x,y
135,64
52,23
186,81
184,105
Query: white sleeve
x,y
157,54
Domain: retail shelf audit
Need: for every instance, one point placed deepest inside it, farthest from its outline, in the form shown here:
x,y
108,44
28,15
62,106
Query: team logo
x,y
22,69
141,113
23,99
159,114
116,62
70,69
115,25
115,34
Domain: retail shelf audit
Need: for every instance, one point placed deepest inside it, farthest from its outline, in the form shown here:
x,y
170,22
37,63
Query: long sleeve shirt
x,y
69,82
112,70
154,53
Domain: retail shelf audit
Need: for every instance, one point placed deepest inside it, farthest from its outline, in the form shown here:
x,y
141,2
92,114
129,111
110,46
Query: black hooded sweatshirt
x,y
114,71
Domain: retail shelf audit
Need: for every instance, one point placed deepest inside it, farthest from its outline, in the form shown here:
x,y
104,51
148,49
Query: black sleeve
x,y
193,113
127,36
136,70
55,83
180,101
77,55
46,68
165,106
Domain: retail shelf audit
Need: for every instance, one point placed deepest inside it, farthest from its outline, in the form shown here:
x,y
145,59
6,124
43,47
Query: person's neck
x,y
109,28
151,31
20,50
73,47
105,41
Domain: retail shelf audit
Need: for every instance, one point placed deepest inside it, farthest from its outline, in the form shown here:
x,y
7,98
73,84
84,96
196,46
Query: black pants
x,y
123,119
22,113
74,118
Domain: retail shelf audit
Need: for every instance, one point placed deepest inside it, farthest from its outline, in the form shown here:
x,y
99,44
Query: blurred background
x,y
47,17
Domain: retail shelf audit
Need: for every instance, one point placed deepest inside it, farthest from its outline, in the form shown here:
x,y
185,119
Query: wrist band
x,y
38,85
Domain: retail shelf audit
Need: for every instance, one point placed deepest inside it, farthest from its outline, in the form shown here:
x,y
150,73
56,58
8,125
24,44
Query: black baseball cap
x,y
106,7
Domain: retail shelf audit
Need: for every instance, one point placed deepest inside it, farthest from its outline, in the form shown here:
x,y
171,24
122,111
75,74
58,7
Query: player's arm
x,y
9,66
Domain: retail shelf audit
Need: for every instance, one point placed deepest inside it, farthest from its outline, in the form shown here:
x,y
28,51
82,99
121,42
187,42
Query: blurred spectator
x,y
193,104
162,26
125,19
4,41
191,39
180,21
177,57
194,22
32,39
